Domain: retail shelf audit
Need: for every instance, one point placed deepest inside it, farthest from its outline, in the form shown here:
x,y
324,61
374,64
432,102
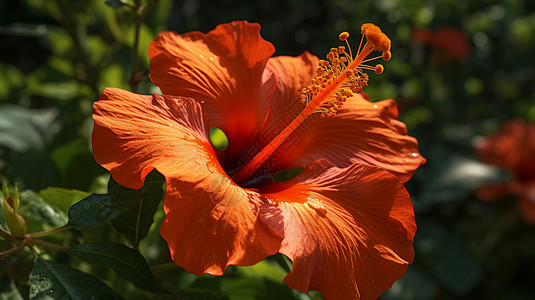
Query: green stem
x,y
140,12
163,267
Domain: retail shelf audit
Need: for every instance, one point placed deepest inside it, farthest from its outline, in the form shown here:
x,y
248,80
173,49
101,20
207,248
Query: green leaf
x,y
75,163
51,280
22,128
263,280
35,210
134,207
127,262
94,210
142,204
62,198
265,269
11,80
255,288
3,223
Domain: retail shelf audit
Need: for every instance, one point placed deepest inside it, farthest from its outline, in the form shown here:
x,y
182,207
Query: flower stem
x,y
163,267
45,244
140,12
12,250
47,232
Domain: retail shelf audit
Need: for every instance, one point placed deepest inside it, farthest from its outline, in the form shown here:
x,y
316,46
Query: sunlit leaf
x,y
36,211
254,288
62,198
11,79
265,269
3,223
127,262
52,280
263,280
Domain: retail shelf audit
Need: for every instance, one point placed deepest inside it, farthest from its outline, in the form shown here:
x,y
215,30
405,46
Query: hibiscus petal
x,y
512,148
349,232
292,74
361,133
135,134
215,224
223,69
210,222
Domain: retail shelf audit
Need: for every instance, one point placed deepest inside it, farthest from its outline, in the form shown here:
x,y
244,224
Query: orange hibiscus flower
x,y
346,221
512,148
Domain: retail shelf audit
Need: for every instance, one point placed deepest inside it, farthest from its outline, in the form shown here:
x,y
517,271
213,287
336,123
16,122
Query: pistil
x,y
337,78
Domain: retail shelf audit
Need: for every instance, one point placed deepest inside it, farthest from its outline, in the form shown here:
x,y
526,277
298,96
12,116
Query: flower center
x,y
337,78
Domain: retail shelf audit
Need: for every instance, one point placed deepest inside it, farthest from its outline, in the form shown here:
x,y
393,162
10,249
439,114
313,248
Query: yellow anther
x,y
379,69
343,36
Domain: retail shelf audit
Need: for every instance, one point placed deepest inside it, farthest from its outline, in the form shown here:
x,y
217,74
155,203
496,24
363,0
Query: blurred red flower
x,y
447,43
346,221
512,148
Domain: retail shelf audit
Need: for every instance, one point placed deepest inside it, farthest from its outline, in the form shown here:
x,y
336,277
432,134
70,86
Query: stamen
x,y
346,73
343,36
338,78
379,69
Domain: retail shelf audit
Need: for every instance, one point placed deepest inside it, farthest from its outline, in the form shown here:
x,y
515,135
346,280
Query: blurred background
x,y
459,71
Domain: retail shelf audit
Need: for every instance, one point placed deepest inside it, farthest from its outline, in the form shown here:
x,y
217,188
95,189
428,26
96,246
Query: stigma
x,y
341,74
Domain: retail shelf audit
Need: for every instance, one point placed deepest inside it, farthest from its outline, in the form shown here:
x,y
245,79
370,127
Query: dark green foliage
x,y
131,211
142,205
53,280
127,262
